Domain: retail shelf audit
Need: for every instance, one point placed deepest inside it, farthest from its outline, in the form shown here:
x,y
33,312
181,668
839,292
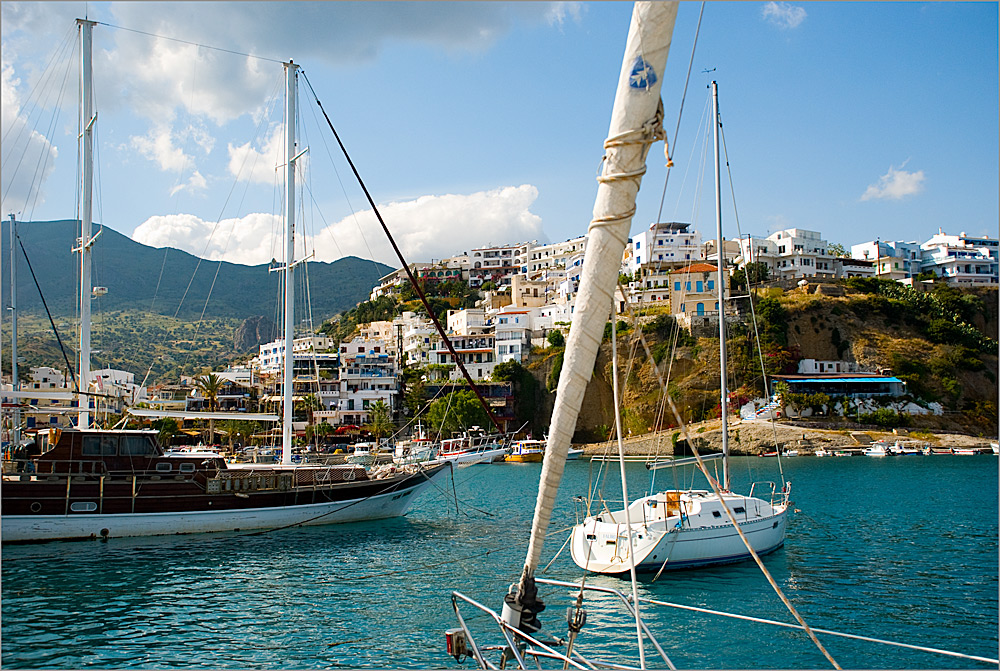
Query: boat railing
x,y
773,495
520,647
51,467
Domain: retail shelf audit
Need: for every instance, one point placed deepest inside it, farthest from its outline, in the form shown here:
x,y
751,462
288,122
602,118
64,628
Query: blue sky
x,y
478,123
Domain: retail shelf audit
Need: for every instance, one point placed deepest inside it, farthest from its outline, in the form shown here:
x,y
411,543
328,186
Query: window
x,y
699,286
677,286
83,507
186,468
710,285
716,513
98,446
739,509
136,446
687,286
163,467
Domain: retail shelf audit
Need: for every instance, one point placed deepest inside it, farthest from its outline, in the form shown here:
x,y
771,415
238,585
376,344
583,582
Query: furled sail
x,y
636,122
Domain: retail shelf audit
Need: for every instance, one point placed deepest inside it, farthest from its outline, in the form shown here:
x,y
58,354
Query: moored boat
x,y
112,483
526,451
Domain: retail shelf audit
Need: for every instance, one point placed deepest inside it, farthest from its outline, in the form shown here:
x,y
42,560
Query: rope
x,y
822,631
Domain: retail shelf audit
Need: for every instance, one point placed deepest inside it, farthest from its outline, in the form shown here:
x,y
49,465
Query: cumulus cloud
x,y
28,157
258,165
429,227
895,185
783,15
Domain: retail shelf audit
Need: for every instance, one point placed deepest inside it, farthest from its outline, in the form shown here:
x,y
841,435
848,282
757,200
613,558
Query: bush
x,y
556,339
886,417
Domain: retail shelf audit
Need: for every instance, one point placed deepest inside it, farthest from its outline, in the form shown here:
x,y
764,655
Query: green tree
x,y
756,272
556,339
379,419
209,385
456,411
837,249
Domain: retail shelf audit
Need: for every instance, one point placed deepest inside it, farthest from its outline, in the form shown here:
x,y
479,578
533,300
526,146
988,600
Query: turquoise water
x,y
899,548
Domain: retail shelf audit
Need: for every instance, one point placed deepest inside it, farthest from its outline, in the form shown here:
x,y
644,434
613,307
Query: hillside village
x,y
510,306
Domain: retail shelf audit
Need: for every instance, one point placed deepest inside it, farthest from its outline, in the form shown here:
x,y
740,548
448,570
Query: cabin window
x,y
739,509
716,513
163,467
136,446
186,468
98,446
83,507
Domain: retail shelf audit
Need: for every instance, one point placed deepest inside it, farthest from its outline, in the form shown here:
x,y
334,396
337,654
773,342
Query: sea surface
x,y
901,548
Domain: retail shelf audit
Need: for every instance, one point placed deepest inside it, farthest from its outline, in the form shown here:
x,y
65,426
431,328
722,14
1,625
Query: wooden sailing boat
x,y
93,483
675,529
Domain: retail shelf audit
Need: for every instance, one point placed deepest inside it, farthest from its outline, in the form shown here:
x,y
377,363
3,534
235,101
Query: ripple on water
x,y
879,549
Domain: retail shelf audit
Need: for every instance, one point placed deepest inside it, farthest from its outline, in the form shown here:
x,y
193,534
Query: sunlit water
x,y
899,548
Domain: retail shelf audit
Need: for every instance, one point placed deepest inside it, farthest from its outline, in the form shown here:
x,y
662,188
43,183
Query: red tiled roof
x,y
698,268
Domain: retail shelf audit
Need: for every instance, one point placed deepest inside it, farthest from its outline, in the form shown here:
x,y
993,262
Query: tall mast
x,y
87,120
636,121
722,292
291,82
14,380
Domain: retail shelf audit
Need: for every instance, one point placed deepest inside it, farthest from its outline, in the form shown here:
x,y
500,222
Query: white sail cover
x,y
635,124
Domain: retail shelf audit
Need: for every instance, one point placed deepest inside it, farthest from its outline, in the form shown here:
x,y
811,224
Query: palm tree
x,y
209,385
379,419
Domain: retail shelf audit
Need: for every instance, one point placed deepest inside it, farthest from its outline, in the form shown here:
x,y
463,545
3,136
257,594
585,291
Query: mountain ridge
x,y
169,281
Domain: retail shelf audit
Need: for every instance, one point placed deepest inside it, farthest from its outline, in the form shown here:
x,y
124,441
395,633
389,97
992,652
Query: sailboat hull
x,y
702,538
376,501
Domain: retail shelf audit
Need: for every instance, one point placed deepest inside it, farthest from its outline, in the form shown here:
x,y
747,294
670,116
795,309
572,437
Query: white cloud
x,y
28,157
425,228
895,185
247,163
195,183
783,15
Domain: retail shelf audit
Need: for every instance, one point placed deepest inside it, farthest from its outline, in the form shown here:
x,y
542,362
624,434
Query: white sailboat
x,y
676,529
636,123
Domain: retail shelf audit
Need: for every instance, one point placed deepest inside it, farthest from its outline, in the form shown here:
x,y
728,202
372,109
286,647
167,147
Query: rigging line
x,y
343,190
57,55
753,313
413,280
680,113
193,44
753,553
257,133
568,539
48,313
43,155
46,155
789,625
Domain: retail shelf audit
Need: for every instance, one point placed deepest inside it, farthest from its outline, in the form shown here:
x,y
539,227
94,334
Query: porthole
x,y
163,467
716,513
83,507
35,507
185,468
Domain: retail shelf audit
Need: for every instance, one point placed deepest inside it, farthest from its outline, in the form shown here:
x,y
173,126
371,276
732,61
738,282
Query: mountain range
x,y
169,281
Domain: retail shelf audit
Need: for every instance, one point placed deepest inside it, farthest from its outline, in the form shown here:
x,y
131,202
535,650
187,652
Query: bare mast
x,y
291,91
717,122
87,120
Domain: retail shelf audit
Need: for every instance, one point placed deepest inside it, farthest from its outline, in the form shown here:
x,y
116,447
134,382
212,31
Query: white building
x,y
891,260
512,330
962,259
367,374
790,253
664,245
555,255
497,264
271,355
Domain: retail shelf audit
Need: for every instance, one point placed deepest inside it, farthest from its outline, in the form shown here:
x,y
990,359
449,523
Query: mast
x,y
636,122
722,291
15,384
291,82
87,120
